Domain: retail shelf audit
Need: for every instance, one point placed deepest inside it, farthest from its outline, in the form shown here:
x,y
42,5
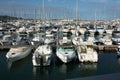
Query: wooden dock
x,y
97,47
106,47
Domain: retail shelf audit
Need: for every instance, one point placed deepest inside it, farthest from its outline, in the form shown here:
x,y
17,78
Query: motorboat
x,y
106,40
77,40
116,37
49,39
6,40
82,30
38,38
66,53
86,53
42,56
15,54
109,31
100,29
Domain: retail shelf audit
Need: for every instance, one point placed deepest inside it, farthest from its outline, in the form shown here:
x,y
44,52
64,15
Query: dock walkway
x,y
97,47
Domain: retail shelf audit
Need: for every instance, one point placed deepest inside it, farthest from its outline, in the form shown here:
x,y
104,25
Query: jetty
x,y
106,47
97,47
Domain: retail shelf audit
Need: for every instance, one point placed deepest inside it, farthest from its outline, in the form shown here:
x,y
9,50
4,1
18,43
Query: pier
x,y
97,47
106,47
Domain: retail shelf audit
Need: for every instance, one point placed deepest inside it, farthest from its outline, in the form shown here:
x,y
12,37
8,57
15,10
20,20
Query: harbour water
x,y
23,70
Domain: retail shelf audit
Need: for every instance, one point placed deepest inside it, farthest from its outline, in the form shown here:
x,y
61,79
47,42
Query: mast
x,y
76,12
43,8
95,21
35,16
76,18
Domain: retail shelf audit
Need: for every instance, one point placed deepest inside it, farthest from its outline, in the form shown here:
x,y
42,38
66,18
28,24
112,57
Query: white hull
x,y
90,57
100,31
73,32
116,41
82,31
65,56
18,55
109,31
106,41
42,56
77,40
87,54
49,41
37,61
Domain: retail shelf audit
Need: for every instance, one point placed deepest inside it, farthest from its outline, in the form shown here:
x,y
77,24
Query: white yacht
x,y
65,29
66,53
49,31
100,29
116,37
18,53
77,40
82,30
73,29
38,38
42,56
86,53
109,31
91,39
6,40
92,31
106,40
49,38
64,40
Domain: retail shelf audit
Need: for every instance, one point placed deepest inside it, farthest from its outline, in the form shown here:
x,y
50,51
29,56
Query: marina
x,y
59,40
49,52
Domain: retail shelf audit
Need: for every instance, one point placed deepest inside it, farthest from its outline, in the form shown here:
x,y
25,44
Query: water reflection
x,y
9,65
41,72
19,63
63,68
88,66
87,69
118,58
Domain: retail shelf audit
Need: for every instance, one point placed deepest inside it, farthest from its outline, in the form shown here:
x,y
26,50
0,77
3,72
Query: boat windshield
x,y
89,48
99,28
83,49
116,36
70,48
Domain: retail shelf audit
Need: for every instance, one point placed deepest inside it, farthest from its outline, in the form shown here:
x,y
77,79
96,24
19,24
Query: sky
x,y
63,9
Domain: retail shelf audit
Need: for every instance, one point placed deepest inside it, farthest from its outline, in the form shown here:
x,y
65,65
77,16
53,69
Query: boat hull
x,y
89,57
42,56
19,55
66,57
